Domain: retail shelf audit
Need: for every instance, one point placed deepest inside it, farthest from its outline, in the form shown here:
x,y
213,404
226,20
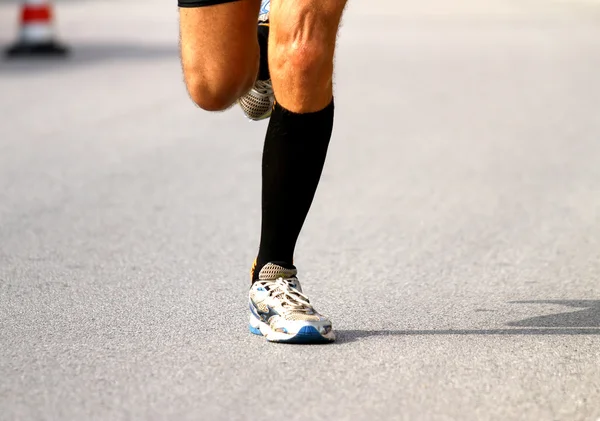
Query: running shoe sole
x,y
306,335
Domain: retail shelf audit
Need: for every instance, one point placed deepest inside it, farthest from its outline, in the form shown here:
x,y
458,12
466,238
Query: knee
x,y
217,91
300,62
302,54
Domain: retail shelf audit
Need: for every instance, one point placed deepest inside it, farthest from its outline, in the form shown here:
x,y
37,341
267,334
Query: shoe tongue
x,y
273,271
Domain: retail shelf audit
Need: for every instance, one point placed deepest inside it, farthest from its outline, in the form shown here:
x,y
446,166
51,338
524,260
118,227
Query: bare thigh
x,y
219,51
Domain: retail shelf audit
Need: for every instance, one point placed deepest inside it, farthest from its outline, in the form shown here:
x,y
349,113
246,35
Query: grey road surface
x,y
454,240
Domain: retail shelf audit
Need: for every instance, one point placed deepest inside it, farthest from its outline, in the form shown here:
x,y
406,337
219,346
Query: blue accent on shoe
x,y
306,335
254,330
308,331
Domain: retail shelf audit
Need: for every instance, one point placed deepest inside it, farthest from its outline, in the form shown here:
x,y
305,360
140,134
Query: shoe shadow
x,y
588,316
582,322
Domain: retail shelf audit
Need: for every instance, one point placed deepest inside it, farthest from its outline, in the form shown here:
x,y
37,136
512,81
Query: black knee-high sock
x,y
263,44
293,158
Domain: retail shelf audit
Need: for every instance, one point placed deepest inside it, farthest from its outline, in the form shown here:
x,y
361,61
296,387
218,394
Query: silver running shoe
x,y
282,313
257,104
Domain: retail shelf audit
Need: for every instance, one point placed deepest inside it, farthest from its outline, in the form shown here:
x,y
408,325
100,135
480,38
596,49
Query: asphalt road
x,y
454,240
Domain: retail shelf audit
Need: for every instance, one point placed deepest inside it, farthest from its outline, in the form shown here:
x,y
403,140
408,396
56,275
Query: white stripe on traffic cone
x,y
36,35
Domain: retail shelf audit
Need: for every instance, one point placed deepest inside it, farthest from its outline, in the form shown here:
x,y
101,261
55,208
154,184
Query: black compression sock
x,y
263,44
293,158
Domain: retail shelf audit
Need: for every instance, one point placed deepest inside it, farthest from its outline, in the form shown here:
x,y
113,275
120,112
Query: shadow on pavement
x,y
589,316
88,54
581,322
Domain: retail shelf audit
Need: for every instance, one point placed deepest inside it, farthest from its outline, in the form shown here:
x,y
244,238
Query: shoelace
x,y
291,299
263,87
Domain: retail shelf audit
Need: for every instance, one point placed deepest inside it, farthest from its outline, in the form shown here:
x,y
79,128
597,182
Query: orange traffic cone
x,y
36,35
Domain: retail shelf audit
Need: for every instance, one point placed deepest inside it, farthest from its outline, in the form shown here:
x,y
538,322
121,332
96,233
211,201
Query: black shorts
x,y
201,3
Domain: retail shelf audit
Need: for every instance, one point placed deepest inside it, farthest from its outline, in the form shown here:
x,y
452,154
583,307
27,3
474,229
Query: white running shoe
x,y
265,8
282,313
257,104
